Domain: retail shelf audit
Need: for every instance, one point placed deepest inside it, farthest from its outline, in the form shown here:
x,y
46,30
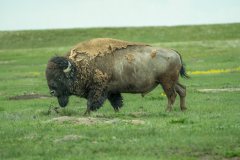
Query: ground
x,y
37,128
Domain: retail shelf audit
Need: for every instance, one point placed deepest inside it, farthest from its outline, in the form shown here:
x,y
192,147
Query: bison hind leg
x,y
116,100
171,95
168,83
181,90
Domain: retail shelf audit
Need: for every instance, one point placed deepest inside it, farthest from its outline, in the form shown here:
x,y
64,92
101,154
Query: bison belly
x,y
137,69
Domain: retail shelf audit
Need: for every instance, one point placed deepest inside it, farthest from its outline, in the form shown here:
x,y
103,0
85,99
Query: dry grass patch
x,y
219,90
91,121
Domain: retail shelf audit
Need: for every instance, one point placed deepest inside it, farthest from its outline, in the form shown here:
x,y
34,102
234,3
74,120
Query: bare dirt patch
x,y
196,60
131,121
91,121
88,121
30,96
135,121
219,90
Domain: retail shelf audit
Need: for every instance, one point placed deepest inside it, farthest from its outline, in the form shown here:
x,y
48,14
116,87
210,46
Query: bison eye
x,y
52,92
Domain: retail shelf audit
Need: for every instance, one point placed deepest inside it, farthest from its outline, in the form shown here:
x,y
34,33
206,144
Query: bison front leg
x,y
88,108
116,100
95,100
181,90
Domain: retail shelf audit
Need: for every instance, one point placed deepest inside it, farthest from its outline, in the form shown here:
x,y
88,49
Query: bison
x,y
103,68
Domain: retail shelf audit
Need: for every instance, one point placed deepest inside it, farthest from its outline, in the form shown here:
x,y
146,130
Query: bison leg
x,y
116,100
168,83
171,94
96,98
88,108
181,90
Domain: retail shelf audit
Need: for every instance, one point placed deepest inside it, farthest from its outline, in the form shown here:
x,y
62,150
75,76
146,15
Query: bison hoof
x,y
168,110
86,114
116,110
184,109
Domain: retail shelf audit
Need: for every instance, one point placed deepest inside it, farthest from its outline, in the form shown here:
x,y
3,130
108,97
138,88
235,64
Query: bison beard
x,y
63,100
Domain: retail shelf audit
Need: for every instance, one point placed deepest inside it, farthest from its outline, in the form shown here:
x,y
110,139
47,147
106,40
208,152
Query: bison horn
x,y
68,68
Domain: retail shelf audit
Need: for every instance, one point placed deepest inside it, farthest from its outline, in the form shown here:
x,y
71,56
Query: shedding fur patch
x,y
75,56
99,77
153,53
101,80
99,47
129,58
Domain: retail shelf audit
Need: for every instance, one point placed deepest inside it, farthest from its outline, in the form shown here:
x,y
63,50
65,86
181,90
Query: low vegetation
x,y
32,124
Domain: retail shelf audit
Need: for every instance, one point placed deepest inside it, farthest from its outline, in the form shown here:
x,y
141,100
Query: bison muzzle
x,y
101,69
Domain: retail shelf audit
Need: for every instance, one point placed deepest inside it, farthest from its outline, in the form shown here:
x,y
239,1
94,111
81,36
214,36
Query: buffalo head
x,y
60,75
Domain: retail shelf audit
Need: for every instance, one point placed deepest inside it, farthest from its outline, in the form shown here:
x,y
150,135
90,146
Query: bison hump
x,y
98,47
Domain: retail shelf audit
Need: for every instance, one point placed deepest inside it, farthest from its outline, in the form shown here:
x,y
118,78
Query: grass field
x,y
209,129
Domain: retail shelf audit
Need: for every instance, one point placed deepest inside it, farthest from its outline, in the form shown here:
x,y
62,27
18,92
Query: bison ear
x,y
67,65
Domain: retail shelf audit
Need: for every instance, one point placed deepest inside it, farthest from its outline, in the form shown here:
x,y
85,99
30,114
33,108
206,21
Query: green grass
x,y
62,37
209,129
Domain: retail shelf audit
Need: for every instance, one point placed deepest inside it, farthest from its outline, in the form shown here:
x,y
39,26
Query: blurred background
x,y
60,14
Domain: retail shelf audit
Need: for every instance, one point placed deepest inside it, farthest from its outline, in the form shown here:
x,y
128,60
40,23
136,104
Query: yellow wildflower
x,y
213,71
163,94
35,73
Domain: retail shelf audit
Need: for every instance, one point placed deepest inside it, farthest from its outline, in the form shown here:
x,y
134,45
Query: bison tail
x,y
183,72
